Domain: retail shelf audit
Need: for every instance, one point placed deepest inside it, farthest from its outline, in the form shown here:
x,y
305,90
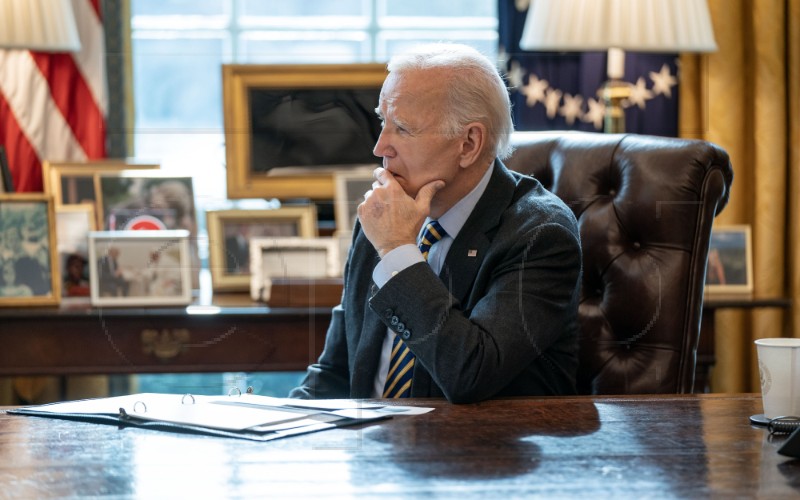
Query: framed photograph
x,y
28,251
350,188
230,232
290,258
140,268
136,200
730,261
73,183
73,225
77,182
6,183
288,128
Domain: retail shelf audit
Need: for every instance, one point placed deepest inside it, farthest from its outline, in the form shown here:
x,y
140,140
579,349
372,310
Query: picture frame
x,y
6,182
304,258
28,262
150,200
140,268
230,232
72,183
730,261
350,188
326,110
73,225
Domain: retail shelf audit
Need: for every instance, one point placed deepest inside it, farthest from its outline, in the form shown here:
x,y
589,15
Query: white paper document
x,y
237,413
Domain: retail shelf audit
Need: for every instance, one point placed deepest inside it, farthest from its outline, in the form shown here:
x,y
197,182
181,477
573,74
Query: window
x,y
178,47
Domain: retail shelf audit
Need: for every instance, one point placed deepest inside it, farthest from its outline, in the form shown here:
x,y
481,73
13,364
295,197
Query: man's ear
x,y
473,144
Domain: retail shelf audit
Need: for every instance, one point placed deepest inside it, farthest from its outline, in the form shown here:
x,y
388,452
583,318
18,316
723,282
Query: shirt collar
x,y
454,219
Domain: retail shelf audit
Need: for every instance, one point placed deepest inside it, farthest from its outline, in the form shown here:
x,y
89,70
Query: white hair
x,y
476,93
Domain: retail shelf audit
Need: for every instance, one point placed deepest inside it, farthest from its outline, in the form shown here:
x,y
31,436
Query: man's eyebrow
x,y
378,112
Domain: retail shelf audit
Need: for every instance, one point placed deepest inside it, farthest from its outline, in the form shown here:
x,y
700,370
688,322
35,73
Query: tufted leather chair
x,y
645,206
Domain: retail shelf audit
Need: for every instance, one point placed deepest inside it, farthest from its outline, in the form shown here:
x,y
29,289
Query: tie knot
x,y
433,233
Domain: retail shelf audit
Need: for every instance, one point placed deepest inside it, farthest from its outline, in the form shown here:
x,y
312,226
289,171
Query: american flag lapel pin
x,y
472,253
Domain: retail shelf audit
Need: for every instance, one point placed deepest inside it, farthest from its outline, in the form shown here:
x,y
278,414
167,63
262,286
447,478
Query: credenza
x,y
232,333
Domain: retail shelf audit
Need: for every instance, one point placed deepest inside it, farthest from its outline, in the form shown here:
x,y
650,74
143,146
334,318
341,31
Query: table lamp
x,y
616,26
40,25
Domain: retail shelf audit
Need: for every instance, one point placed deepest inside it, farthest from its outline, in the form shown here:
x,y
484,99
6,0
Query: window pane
x,y
390,44
177,7
301,48
305,8
178,81
440,8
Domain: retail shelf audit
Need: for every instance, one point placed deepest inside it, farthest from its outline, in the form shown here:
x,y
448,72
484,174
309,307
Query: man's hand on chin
x,y
390,217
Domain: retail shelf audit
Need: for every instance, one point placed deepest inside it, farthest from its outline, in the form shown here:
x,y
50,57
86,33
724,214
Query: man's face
x,y
411,143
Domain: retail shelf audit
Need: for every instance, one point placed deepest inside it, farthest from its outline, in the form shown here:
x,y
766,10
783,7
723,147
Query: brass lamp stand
x,y
614,93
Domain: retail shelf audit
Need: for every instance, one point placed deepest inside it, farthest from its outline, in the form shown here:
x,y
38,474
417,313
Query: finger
x,y
427,192
377,174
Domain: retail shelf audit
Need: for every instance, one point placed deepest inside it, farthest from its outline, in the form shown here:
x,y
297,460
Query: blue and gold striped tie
x,y
401,366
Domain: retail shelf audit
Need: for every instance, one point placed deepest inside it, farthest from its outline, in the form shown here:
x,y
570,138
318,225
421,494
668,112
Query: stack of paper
x,y
244,416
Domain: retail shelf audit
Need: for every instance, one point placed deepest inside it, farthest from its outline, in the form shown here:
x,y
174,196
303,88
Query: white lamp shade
x,y
43,25
636,25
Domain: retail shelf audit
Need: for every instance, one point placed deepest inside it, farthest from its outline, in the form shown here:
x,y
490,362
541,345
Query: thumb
x,y
427,192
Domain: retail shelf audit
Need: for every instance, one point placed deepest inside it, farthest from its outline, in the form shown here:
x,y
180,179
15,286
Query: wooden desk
x,y
693,446
233,334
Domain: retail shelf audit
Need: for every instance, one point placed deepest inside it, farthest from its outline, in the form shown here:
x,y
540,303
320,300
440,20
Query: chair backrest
x,y
645,206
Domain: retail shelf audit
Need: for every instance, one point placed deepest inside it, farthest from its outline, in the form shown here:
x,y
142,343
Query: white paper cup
x,y
779,370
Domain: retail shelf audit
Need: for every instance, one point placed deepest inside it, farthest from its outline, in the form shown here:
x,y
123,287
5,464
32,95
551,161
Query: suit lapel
x,y
470,246
368,353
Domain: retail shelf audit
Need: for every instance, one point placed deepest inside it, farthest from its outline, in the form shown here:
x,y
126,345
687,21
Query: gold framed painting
x,y
230,233
288,128
28,257
72,183
730,261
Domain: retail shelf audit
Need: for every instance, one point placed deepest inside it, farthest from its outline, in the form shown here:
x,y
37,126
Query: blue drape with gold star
x,y
559,91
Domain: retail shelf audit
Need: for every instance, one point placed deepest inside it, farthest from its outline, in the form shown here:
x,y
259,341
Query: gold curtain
x,y
746,98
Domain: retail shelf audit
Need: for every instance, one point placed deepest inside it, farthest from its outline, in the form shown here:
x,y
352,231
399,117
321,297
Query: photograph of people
x,y
140,267
25,248
237,241
76,278
161,275
111,275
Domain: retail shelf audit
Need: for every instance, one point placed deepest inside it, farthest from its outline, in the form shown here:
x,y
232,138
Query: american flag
x,y
53,106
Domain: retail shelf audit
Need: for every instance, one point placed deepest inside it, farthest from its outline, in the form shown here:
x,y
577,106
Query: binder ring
x,y
139,404
191,399
238,392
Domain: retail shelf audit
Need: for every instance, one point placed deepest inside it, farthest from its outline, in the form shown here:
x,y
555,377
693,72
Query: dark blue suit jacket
x,y
499,320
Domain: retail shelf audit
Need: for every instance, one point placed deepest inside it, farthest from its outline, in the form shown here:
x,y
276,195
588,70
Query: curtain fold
x,y
745,98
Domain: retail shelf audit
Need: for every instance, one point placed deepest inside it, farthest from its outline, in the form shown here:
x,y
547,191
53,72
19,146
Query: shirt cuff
x,y
395,261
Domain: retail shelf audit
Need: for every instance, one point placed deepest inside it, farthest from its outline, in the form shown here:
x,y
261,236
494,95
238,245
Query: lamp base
x,y
615,93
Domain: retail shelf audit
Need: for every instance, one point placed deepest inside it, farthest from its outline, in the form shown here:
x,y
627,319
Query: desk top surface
x,y
644,447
